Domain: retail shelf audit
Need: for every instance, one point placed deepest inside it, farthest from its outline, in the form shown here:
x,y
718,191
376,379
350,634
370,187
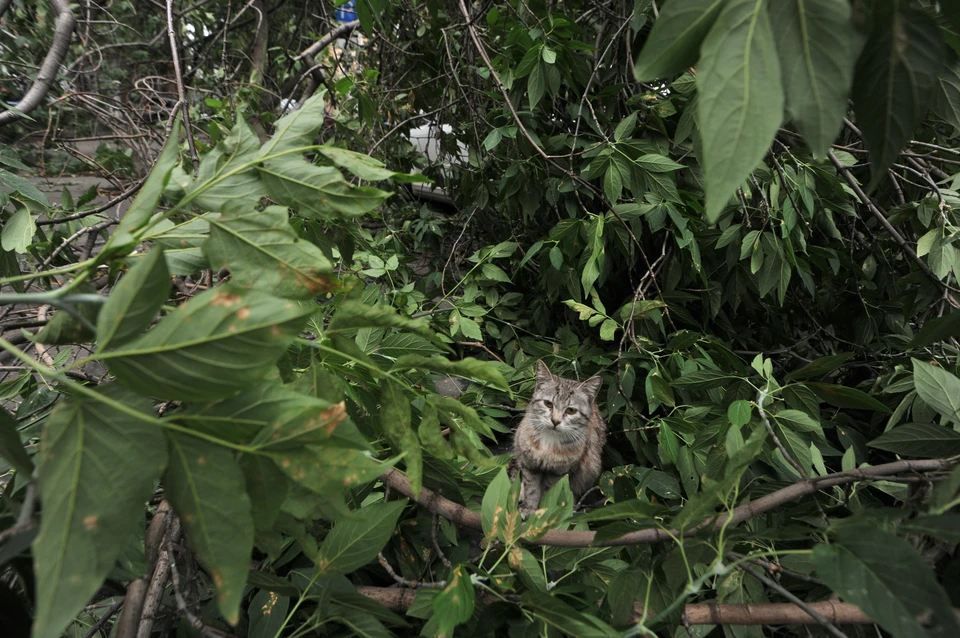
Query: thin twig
x,y
181,93
878,214
403,582
105,618
780,589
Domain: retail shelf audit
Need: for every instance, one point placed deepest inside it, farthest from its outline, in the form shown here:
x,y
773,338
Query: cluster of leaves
x,y
763,304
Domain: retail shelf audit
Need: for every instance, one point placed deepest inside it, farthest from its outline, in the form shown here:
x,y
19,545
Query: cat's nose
x,y
555,419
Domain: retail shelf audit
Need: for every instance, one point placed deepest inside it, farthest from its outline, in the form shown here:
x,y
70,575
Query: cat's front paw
x,y
526,511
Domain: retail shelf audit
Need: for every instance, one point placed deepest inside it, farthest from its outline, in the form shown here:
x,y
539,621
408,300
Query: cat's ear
x,y
592,386
543,373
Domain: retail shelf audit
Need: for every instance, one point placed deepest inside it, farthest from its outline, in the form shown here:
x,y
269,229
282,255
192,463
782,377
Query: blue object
x,y
346,12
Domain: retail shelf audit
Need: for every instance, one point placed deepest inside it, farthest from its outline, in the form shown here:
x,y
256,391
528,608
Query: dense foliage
x,y
676,198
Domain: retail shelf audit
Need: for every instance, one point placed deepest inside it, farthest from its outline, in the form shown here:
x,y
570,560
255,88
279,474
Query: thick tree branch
x,y
137,590
558,538
399,599
324,42
62,33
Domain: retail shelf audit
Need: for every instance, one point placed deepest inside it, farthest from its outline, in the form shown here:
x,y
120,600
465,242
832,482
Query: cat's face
x,y
562,407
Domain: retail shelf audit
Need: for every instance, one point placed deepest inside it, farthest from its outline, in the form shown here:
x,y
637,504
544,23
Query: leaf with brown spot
x,y
272,416
455,603
191,355
327,471
395,424
262,251
212,502
97,467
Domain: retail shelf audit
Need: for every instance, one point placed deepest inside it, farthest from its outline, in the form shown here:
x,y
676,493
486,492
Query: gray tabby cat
x,y
561,433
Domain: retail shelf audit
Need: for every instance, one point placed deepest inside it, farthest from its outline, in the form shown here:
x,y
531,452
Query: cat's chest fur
x,y
550,451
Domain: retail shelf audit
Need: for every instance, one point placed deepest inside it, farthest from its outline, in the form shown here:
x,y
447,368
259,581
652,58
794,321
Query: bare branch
x,y
62,33
559,538
399,600
324,42
181,94
904,246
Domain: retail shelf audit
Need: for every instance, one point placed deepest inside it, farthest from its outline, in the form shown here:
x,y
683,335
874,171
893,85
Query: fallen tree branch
x,y
325,41
62,34
878,214
560,538
137,590
399,599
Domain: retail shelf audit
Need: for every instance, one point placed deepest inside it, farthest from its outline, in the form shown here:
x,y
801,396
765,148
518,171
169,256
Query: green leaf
x,y
495,500
739,412
455,602
494,272
947,102
492,139
267,488
207,489
937,330
536,86
268,614
64,328
219,342
798,421
228,174
556,257
352,315
18,231
938,388
924,440
431,436
364,166
887,578
143,207
844,397
944,527
468,414
819,367
357,539
97,467
487,371
298,128
274,416
607,330
740,105
395,422
674,42
470,329
658,163
327,470
818,48
895,80
625,128
703,380
262,251
11,447
134,301
555,613
634,508
319,192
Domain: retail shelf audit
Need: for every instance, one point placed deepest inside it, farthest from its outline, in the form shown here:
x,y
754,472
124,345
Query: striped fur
x,y
561,433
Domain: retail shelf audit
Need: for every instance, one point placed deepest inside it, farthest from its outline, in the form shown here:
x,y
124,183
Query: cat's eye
x,y
548,404
571,410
